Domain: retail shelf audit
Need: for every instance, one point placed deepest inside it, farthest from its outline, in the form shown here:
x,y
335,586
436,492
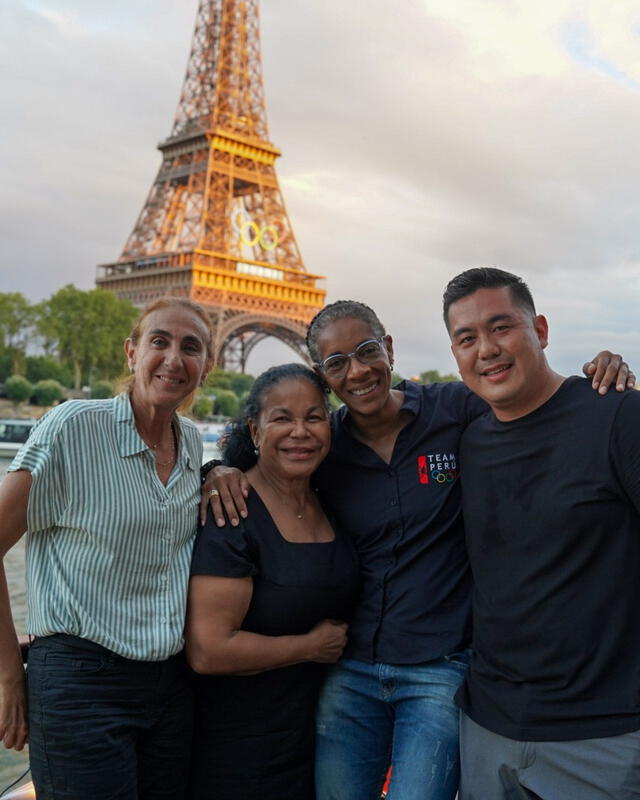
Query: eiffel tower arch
x,y
214,227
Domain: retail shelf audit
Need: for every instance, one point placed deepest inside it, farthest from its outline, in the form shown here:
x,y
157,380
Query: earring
x,y
256,449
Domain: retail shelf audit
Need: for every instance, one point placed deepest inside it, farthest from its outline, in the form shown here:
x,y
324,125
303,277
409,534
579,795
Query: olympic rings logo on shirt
x,y
251,233
444,477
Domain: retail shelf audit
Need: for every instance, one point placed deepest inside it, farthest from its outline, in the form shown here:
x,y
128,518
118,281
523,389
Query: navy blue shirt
x,y
406,522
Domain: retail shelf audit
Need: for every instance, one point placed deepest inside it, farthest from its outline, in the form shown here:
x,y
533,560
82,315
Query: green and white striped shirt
x,y
108,545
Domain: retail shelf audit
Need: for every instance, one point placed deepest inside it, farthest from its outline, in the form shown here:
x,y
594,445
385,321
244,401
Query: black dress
x,y
254,735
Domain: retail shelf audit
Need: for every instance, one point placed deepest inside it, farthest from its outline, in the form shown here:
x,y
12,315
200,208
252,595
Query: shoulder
x,y
576,394
188,428
452,399
231,551
67,415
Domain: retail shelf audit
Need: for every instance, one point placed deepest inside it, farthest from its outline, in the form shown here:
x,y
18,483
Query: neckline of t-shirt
x,y
549,403
267,514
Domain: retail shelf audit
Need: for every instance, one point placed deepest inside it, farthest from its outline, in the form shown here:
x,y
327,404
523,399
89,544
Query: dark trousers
x,y
103,727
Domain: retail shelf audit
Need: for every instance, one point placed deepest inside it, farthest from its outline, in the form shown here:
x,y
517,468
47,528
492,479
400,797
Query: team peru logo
x,y
437,468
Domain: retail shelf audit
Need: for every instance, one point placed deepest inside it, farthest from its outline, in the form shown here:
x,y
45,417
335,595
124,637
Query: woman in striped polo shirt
x,y
107,491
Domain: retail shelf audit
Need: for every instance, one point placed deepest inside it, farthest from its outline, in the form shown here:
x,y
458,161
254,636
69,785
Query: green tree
x,y
226,403
101,390
87,330
240,383
6,364
202,407
433,376
47,392
218,378
18,388
39,368
16,319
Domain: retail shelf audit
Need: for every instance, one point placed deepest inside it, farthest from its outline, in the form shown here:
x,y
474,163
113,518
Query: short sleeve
x,y
43,456
226,552
625,446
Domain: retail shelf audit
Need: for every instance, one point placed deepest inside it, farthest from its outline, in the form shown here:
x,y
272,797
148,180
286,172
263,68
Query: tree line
x,y
74,340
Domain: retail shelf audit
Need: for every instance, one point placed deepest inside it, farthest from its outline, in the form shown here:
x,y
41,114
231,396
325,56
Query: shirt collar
x,y
130,441
342,440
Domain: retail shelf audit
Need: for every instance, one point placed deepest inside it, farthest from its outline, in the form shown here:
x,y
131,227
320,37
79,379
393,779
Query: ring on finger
x,y
214,493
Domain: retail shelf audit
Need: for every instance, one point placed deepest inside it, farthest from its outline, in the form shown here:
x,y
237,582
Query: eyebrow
x,y
490,321
342,353
161,332
284,409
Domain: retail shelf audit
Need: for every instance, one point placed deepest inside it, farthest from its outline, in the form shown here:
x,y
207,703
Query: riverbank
x,y
10,410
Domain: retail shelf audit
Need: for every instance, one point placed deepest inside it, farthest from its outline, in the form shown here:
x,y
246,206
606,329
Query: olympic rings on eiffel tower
x,y
251,233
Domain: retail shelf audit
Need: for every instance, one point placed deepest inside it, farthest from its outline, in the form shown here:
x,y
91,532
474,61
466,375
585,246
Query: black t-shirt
x,y
406,523
254,735
552,514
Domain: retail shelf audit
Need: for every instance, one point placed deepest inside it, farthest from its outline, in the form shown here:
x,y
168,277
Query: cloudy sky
x,y
419,138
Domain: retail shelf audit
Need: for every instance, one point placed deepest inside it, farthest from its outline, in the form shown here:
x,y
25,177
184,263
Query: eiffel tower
x,y
214,227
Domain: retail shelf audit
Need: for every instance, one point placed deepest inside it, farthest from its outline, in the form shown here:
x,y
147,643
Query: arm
x,y
216,645
224,487
14,497
608,369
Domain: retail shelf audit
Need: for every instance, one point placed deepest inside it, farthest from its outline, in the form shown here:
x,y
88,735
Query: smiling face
x,y
499,347
169,358
292,431
364,388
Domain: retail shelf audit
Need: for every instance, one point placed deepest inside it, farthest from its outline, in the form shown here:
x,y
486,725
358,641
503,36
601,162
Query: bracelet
x,y
205,469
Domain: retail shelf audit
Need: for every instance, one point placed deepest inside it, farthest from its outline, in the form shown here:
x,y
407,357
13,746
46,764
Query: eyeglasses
x,y
366,352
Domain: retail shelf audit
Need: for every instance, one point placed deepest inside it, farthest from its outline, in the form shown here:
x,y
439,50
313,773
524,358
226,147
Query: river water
x,y
13,764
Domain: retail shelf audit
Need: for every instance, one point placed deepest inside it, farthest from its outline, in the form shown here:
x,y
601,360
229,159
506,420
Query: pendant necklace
x,y
154,447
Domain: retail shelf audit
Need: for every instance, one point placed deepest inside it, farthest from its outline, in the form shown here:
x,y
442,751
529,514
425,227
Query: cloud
x,y
414,145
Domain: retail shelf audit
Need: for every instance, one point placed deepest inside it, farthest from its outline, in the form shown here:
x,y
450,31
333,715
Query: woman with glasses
x,y
391,480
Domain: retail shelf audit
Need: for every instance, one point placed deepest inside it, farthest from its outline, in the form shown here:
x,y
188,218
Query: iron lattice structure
x,y
214,227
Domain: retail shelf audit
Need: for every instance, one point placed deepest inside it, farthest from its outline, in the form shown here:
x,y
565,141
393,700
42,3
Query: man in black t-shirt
x,y
551,499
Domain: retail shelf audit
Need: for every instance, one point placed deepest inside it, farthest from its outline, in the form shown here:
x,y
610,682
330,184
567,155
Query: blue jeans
x,y
372,716
102,726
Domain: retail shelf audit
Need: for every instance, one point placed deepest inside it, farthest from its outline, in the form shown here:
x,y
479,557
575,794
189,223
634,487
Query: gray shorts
x,y
497,768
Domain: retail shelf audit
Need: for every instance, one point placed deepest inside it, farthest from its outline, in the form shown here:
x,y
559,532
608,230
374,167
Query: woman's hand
x,y
224,487
14,730
217,645
328,639
608,369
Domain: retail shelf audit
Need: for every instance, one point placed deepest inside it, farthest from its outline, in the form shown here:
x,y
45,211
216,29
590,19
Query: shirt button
x,y
163,620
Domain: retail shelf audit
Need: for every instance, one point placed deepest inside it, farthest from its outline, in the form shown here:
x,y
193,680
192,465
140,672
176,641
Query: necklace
x,y
300,514
304,505
154,447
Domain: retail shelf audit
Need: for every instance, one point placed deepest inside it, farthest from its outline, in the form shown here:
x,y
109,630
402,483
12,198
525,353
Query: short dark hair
x,y
471,280
341,309
236,443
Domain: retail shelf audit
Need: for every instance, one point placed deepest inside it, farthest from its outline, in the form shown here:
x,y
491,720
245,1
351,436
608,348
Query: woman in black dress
x,y
267,602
